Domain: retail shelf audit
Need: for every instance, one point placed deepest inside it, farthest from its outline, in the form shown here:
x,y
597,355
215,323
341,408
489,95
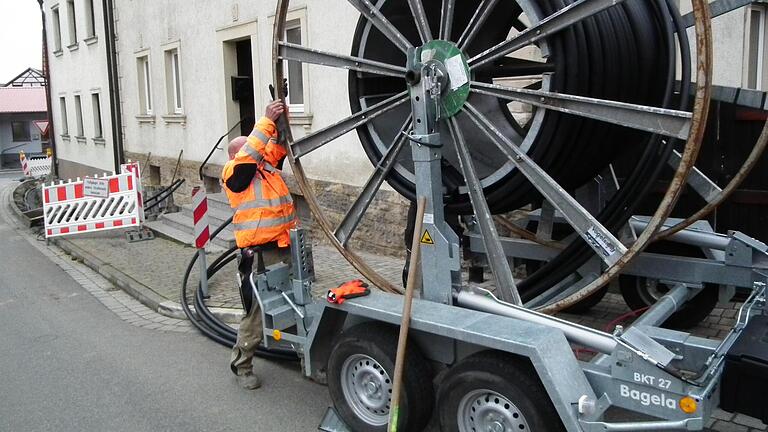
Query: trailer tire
x,y
498,386
639,292
364,355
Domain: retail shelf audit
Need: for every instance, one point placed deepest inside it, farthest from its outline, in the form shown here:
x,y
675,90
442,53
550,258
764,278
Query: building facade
x,y
190,72
23,121
739,46
79,87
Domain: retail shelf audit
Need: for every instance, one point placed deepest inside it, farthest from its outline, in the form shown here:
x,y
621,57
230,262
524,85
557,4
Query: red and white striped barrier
x,y
35,166
133,167
40,166
200,217
89,205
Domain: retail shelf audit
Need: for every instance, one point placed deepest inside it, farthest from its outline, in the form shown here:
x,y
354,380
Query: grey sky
x,y
20,37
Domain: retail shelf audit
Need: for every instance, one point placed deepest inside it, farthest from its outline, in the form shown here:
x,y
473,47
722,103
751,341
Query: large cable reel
x,y
600,83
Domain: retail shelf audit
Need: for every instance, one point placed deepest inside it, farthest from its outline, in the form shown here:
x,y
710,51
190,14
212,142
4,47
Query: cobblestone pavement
x,y
159,264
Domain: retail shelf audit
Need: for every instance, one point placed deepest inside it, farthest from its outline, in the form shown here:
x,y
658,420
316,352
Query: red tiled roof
x,y
22,99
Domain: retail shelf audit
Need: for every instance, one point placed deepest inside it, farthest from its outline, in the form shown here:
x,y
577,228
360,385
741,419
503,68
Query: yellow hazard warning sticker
x,y
426,238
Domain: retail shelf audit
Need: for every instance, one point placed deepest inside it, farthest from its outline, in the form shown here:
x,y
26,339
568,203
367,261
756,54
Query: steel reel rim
x,y
698,124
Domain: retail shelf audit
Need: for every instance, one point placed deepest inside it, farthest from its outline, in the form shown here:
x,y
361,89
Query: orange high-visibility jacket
x,y
264,211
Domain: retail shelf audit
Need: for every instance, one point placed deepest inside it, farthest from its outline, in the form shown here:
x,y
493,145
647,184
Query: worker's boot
x,y
249,381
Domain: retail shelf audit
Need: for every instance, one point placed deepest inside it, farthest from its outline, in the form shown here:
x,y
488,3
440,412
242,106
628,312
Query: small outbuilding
x,y
23,119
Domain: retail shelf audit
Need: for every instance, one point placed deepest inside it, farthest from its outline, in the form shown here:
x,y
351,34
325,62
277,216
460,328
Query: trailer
x,y
498,360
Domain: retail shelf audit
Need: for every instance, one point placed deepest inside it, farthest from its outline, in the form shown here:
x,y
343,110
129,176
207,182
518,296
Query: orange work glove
x,y
348,290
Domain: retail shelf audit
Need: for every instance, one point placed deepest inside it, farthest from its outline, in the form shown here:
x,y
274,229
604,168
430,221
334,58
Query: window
x,y
173,81
72,18
145,85
56,18
294,70
90,24
79,117
64,123
96,102
20,131
755,47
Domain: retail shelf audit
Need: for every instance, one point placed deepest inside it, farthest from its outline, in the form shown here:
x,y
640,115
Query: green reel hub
x,y
454,61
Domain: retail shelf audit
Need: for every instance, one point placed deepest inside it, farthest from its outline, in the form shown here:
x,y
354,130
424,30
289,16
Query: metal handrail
x,y
216,147
163,194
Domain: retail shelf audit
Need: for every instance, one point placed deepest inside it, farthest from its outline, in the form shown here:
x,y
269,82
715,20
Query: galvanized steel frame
x,y
429,316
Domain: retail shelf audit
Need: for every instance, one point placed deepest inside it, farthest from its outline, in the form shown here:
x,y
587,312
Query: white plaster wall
x,y
331,28
82,71
6,134
198,27
727,45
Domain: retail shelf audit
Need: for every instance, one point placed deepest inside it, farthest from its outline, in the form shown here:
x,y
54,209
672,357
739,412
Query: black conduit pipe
x,y
205,321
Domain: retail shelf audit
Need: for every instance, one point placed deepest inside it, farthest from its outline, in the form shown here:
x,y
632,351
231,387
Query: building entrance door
x,y
243,87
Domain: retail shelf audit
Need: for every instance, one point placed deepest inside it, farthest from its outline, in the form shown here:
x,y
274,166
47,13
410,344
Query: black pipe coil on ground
x,y
205,321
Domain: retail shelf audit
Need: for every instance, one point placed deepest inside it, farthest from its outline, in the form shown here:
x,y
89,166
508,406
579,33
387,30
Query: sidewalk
x,y
152,271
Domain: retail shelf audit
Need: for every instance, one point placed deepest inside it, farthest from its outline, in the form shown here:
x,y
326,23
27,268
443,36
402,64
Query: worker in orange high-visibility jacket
x,y
264,214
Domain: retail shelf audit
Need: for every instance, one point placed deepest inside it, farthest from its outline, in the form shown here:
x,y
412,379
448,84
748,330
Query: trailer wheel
x,y
493,391
360,372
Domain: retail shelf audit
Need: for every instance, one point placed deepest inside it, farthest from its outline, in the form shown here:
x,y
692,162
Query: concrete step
x,y
180,227
167,232
219,201
216,216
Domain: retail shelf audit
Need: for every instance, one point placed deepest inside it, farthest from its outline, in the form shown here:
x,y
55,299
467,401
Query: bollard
x,y
202,233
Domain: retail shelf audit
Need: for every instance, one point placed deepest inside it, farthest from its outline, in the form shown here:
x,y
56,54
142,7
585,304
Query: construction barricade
x,y
135,169
35,166
92,204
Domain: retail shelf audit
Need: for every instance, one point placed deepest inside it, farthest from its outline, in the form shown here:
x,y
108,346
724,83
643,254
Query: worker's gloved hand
x,y
274,110
285,89
348,290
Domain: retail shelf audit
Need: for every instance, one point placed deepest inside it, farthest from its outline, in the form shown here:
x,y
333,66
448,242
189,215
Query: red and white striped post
x,y
133,167
202,233
24,163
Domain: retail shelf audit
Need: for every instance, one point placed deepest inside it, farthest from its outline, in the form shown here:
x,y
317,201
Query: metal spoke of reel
x,y
356,212
373,15
497,259
417,9
666,122
492,62
607,246
446,18
476,23
289,51
565,17
311,142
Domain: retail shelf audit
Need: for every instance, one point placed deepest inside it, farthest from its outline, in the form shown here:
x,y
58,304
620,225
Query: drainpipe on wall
x,y
114,86
47,75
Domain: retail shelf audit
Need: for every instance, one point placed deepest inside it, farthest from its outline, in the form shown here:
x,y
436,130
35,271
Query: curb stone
x,y
132,287
136,289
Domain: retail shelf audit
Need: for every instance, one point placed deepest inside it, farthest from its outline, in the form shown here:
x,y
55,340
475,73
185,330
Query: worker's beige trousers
x,y
251,330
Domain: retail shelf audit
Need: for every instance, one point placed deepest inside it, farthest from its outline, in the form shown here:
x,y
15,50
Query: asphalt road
x,y
69,364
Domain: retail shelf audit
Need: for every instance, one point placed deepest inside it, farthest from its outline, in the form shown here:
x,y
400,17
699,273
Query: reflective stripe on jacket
x,y
264,212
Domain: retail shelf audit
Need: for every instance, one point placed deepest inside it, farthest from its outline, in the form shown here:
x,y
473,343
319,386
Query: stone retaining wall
x,y
380,232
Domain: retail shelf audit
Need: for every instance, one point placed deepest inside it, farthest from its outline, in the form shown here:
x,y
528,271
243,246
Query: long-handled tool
x,y
413,273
